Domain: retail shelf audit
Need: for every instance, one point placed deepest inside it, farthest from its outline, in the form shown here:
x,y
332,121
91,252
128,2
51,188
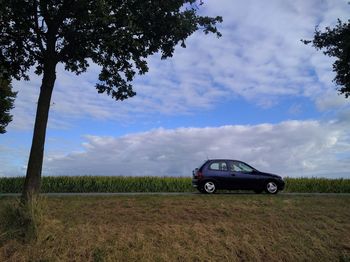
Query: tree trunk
x,y
33,177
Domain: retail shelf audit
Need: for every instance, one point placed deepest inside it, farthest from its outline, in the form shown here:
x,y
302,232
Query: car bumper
x,y
281,185
195,183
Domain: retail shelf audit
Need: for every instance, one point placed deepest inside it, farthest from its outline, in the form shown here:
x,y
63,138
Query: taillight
x,y
199,175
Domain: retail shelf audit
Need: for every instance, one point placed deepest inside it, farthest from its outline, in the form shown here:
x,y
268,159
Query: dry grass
x,y
229,227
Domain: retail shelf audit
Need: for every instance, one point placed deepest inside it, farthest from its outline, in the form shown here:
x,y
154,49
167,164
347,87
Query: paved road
x,y
172,194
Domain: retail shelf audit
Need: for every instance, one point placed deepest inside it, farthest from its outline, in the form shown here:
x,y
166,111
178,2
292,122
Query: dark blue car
x,y
233,174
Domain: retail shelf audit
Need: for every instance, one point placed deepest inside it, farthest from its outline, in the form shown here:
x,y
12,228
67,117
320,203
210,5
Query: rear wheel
x,y
209,187
271,187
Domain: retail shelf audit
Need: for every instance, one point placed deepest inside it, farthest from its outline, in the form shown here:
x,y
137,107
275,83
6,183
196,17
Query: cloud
x,y
331,100
291,148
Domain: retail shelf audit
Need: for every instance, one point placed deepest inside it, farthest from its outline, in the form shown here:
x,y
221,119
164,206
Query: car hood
x,y
270,175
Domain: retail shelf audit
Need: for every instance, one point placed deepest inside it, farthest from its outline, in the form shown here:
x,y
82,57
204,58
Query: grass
x,y
222,227
79,184
19,220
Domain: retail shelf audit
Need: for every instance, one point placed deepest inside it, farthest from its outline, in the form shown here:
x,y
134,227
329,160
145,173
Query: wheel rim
x,y
271,187
209,187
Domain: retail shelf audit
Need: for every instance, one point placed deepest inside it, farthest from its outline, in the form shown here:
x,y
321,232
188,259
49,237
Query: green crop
x,y
320,185
77,184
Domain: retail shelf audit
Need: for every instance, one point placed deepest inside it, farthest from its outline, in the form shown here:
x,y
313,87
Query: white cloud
x,y
331,100
292,148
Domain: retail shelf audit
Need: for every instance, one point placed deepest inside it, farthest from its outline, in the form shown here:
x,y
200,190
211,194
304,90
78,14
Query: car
x,y
230,174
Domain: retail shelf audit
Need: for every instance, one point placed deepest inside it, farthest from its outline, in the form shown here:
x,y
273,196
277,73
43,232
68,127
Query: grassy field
x,y
79,184
222,227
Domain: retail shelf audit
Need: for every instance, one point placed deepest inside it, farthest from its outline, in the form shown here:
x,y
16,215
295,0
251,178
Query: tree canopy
x,y
7,97
336,43
118,35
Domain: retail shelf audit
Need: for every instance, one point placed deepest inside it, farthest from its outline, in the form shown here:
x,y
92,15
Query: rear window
x,y
202,165
218,166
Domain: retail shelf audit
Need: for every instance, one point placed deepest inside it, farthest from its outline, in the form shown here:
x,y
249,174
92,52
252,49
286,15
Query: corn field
x,y
320,185
80,184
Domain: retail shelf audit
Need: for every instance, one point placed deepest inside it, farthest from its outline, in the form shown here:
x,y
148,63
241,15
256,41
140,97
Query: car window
x,y
220,166
234,167
240,167
202,165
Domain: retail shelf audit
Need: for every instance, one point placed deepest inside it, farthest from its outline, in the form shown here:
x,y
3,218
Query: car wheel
x,y
209,187
271,187
258,191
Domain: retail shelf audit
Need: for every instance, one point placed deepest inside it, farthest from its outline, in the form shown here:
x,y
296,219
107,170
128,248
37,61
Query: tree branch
x,y
37,29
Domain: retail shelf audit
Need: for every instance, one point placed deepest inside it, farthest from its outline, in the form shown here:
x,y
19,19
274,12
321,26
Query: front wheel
x,y
271,187
209,187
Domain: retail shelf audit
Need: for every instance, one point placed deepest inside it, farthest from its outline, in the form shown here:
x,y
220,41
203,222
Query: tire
x,y
258,191
271,187
209,187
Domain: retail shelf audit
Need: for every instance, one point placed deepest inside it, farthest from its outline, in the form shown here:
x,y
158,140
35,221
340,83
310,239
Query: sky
x,y
257,94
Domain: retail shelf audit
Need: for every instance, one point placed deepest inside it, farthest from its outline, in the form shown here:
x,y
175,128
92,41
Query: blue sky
x,y
257,94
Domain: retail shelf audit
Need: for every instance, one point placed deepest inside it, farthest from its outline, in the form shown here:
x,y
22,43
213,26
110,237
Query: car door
x,y
218,170
242,176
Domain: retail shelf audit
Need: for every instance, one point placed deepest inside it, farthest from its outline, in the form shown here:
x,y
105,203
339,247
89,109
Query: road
x,y
169,194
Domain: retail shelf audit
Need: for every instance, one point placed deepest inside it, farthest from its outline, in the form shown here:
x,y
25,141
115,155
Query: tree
x,y
7,97
118,35
336,42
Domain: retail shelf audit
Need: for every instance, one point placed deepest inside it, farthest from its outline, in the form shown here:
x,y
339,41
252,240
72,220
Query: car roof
x,y
223,159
